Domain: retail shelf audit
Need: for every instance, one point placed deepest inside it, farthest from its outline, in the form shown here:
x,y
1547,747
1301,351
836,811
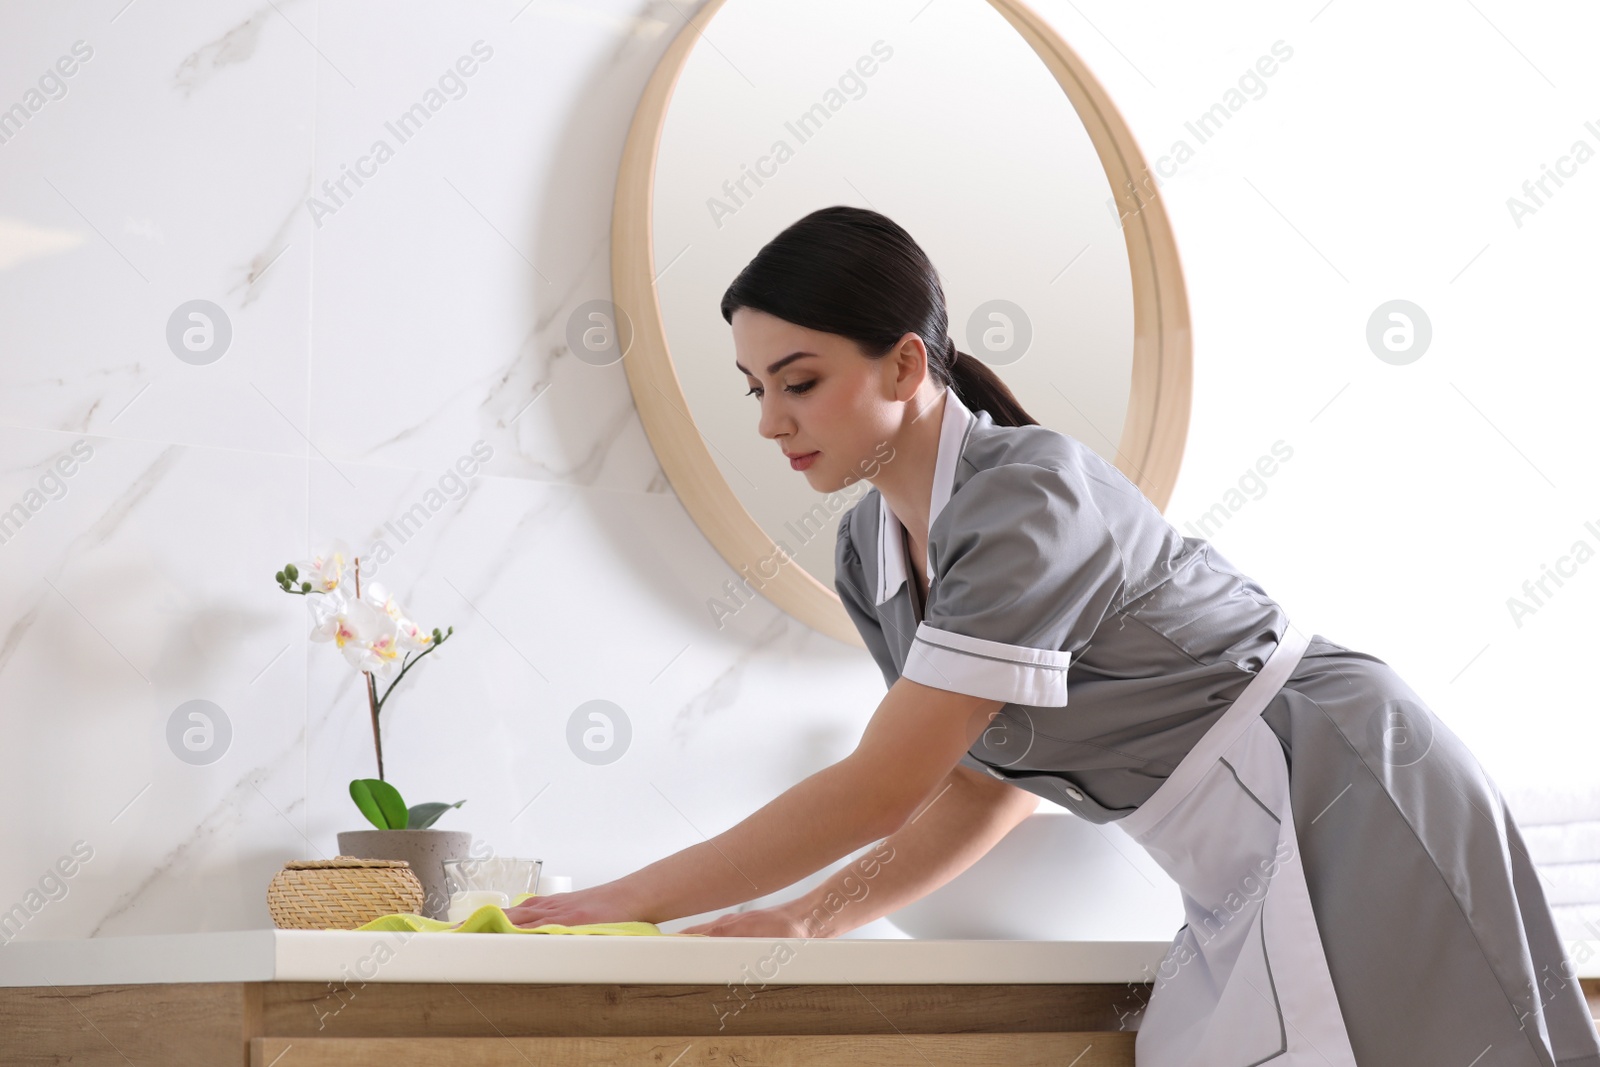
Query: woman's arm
x,y
827,815
964,821
915,737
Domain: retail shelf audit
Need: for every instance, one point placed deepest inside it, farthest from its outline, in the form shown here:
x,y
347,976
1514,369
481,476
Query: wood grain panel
x,y
200,1024
798,1050
464,1009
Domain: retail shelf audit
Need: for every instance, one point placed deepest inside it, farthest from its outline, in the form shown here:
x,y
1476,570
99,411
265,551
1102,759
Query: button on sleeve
x,y
1024,570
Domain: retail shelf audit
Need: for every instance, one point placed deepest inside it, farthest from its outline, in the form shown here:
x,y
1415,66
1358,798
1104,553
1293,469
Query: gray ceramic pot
x,y
425,850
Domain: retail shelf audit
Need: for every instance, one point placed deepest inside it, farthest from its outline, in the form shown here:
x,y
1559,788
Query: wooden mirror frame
x,y
1157,421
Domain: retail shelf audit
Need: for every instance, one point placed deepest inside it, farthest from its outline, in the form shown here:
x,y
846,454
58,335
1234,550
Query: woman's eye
x,y
801,388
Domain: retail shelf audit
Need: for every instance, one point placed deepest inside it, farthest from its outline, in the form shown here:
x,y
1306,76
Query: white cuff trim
x,y
1015,674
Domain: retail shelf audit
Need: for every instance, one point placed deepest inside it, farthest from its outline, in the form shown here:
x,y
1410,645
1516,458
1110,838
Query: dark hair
x,y
856,273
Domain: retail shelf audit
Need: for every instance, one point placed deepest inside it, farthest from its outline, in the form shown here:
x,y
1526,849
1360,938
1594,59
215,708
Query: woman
x,y
1043,631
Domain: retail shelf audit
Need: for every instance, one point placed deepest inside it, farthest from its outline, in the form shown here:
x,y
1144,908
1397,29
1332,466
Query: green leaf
x,y
425,815
380,802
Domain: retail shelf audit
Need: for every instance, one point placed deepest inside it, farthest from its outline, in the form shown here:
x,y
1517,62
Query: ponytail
x,y
981,389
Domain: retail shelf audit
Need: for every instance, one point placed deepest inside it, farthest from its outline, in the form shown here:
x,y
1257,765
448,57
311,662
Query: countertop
x,y
373,956
396,956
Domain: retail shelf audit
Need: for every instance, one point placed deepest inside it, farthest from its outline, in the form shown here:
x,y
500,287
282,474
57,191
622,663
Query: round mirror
x,y
973,126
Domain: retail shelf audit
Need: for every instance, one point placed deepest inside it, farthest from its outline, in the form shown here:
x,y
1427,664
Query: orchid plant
x,y
380,641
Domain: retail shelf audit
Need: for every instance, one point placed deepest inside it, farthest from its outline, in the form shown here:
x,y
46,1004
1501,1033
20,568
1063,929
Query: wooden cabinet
x,y
306,1024
306,999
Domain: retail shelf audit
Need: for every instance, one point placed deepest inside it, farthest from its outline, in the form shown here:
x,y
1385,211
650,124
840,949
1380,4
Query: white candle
x,y
464,903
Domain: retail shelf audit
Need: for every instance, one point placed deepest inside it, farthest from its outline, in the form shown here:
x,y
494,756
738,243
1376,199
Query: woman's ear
x,y
910,366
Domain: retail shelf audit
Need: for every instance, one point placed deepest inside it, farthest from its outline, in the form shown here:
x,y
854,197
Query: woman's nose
x,y
773,421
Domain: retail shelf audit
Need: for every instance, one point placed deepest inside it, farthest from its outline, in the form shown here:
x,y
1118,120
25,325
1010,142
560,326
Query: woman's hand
x,y
759,922
593,905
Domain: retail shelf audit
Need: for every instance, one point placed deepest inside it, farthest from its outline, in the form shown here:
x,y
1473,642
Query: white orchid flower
x,y
411,637
365,634
326,569
327,611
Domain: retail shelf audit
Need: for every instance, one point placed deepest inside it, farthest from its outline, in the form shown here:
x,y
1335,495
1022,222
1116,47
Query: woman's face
x,y
832,401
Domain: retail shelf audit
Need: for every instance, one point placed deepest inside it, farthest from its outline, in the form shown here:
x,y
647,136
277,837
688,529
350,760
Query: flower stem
x,y
373,705
406,665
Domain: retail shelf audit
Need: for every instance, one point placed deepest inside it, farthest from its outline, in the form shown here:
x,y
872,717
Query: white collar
x,y
891,553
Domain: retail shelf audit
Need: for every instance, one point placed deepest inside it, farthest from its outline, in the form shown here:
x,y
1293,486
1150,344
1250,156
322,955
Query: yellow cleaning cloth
x,y
491,919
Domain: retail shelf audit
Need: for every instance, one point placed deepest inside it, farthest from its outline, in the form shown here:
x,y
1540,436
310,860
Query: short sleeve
x,y
1024,570
850,582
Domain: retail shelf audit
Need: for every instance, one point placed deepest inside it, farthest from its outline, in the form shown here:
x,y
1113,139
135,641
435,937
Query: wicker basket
x,y
342,893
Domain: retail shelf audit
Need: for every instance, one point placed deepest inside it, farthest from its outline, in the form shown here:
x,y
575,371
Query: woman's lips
x,y
800,463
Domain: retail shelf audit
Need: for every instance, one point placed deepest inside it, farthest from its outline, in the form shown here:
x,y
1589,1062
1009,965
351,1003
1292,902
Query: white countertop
x,y
373,956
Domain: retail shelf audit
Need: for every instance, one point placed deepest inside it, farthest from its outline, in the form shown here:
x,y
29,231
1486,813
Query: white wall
x,y
1378,165
374,347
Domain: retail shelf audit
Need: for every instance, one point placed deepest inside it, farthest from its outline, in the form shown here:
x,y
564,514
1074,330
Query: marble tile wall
x,y
374,342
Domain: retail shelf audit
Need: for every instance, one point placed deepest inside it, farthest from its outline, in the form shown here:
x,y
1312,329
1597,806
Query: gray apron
x,y
1245,979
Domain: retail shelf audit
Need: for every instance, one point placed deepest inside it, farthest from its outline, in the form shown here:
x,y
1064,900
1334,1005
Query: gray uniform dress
x,y
1056,586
